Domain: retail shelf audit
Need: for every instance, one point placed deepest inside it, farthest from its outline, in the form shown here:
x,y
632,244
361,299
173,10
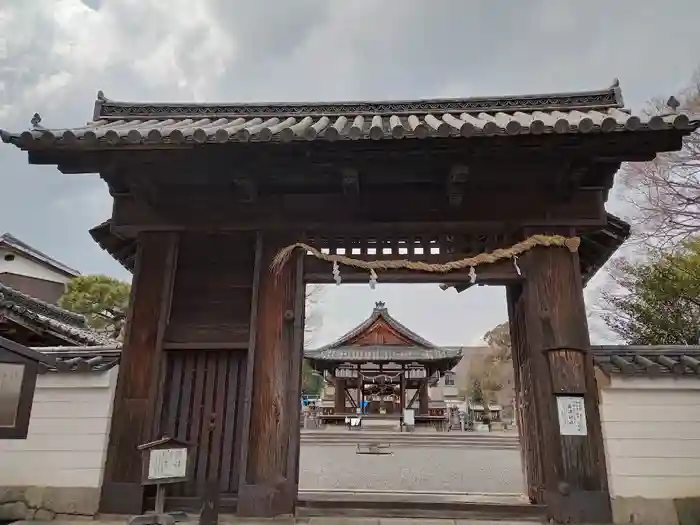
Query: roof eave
x,y
83,359
122,250
675,361
18,246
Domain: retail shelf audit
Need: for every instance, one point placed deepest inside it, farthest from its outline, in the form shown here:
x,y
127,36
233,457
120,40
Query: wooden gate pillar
x,y
270,444
563,446
340,395
137,383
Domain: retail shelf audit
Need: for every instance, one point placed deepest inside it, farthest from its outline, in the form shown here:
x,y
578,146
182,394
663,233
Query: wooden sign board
x,y
165,461
572,416
18,370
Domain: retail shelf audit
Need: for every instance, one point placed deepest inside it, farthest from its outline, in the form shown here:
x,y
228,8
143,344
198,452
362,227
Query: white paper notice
x,y
572,416
167,463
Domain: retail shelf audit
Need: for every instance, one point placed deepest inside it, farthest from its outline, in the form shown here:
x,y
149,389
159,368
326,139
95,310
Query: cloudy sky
x,y
56,54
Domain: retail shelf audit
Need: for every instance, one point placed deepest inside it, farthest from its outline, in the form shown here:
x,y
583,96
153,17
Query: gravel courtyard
x,y
416,469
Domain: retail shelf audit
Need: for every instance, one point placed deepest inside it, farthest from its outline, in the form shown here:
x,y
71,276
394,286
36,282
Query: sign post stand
x,y
164,461
209,514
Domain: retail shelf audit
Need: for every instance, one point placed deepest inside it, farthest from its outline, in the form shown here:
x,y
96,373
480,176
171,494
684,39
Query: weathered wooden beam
x,y
435,170
137,385
500,273
619,146
269,479
247,189
423,399
413,399
456,181
339,398
144,191
209,211
351,181
565,463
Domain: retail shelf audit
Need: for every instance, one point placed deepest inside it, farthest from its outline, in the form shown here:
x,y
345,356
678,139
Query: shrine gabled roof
x,y
132,123
346,348
378,353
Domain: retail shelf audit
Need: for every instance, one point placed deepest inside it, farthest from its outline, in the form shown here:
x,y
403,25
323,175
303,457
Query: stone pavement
x,y
307,521
467,469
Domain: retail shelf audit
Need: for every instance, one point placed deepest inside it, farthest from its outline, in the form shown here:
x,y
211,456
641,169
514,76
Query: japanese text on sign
x,y
572,416
167,463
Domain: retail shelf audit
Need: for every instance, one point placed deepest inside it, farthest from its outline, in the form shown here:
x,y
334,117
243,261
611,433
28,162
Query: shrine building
x,y
378,369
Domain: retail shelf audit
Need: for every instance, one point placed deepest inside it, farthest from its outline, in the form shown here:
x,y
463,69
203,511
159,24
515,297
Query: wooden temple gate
x,y
205,196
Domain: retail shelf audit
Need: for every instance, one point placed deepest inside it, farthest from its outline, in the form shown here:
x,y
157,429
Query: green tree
x,y
477,395
311,382
102,300
658,300
498,339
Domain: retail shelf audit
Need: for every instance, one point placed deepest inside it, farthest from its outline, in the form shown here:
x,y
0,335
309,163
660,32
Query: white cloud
x,y
56,54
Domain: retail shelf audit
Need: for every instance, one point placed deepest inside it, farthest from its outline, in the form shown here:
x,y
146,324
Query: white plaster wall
x,y
441,391
68,430
25,266
437,392
651,429
328,391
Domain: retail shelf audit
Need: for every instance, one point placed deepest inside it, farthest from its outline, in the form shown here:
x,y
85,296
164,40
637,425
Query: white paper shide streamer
x,y
336,273
372,279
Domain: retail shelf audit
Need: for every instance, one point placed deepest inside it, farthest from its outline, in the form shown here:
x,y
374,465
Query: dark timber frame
x,y
205,196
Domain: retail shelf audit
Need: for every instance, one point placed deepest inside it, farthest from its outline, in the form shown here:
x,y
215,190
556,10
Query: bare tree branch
x,y
665,193
312,321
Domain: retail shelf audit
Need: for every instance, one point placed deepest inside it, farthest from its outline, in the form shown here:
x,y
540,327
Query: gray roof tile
x,y
395,353
130,123
648,360
421,350
68,325
81,359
